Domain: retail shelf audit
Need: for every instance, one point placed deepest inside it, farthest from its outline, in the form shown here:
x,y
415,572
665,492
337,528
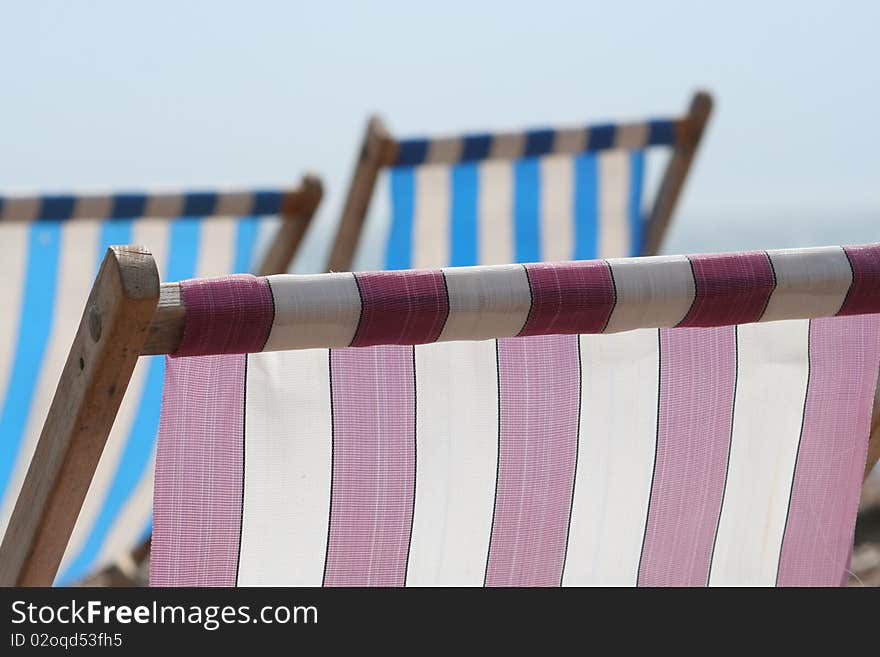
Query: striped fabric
x,y
538,195
686,421
134,205
49,266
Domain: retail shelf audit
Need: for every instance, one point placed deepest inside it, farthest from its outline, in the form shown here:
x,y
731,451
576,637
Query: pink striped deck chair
x,y
663,421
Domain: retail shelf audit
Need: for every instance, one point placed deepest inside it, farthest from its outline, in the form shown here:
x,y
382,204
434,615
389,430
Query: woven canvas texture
x,y
715,450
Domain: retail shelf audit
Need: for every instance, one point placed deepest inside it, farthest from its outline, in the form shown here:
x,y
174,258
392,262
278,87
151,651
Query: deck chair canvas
x,y
51,247
699,420
528,196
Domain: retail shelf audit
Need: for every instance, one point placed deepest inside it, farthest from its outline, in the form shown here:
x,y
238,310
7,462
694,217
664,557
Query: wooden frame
x,y
129,313
379,150
297,210
99,366
690,134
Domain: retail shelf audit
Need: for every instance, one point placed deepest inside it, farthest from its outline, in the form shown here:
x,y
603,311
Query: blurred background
x,y
105,94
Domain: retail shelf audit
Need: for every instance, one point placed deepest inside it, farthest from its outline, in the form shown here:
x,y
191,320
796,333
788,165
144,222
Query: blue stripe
x,y
35,325
135,456
246,230
147,531
463,240
601,137
266,202
128,206
636,222
539,142
411,152
199,204
586,207
661,132
398,254
475,147
56,208
526,214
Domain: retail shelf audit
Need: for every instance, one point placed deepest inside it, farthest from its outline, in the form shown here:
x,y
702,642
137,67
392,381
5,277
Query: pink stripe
x,y
539,389
401,307
373,393
697,382
227,315
864,292
844,358
732,288
197,495
575,297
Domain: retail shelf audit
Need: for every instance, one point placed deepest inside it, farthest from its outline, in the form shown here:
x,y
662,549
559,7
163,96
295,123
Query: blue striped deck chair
x,y
50,249
534,195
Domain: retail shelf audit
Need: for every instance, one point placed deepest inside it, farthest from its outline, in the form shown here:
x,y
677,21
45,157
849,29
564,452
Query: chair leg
x,y
295,218
379,149
676,172
874,439
99,366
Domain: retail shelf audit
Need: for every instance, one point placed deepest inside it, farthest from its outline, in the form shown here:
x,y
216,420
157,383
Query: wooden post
x,y
166,329
379,149
874,438
101,360
296,213
691,131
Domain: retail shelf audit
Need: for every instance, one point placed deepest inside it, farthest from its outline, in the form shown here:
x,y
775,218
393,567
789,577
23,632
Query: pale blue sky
x,y
99,94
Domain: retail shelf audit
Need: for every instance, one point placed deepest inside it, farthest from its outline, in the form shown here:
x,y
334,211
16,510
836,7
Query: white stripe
x,y
495,213
164,205
618,429
314,310
23,208
657,291
78,253
234,204
431,217
770,391
93,207
507,146
14,239
457,448
486,303
155,234
631,136
808,281
216,246
288,467
557,215
614,175
570,140
446,150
